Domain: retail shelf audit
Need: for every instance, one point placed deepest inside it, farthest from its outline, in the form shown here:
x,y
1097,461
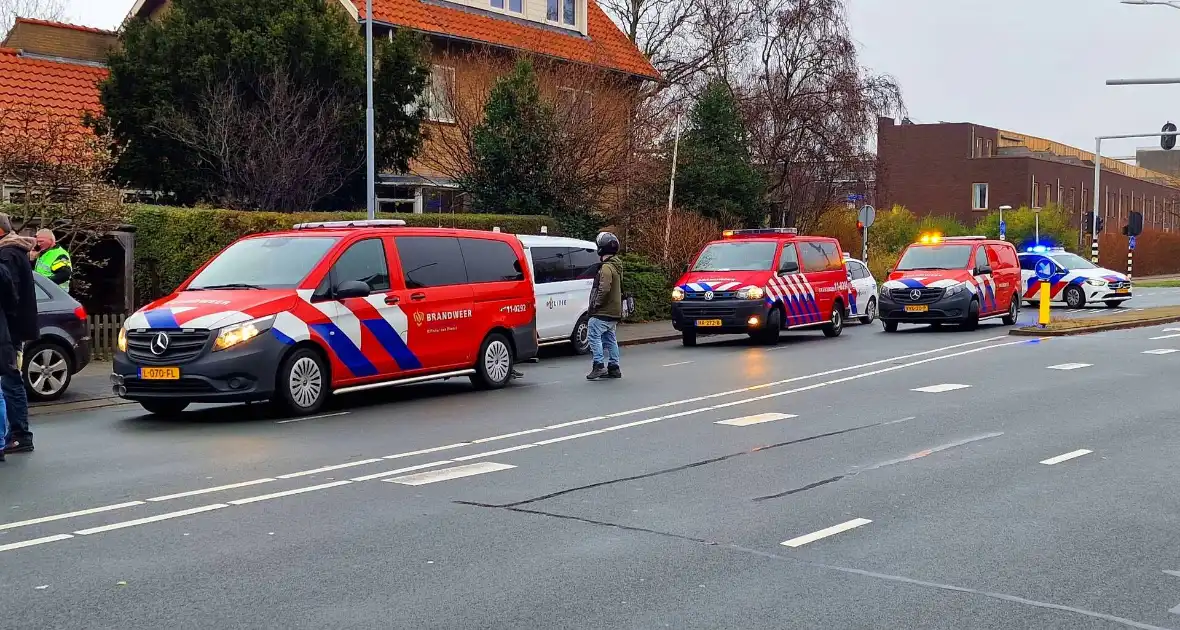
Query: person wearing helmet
x,y
606,310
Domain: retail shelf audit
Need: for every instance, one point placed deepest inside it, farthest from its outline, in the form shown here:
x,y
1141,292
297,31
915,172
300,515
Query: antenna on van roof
x,y
544,229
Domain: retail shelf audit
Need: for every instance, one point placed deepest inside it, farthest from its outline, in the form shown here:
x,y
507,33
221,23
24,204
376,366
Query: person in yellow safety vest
x,y
52,261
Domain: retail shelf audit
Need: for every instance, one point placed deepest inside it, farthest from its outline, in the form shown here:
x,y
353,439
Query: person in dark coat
x,y
8,359
21,319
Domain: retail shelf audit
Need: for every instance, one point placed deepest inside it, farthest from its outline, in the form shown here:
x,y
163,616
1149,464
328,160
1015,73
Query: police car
x,y
1073,280
863,300
328,308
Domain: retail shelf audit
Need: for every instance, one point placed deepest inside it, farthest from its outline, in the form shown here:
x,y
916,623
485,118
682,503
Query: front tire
x,y
770,331
835,324
1074,297
972,321
301,386
493,369
47,371
1114,303
580,340
1013,312
870,312
688,338
164,407
889,326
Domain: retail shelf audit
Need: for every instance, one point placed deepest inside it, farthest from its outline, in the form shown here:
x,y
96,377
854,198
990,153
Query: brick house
x,y
966,170
472,41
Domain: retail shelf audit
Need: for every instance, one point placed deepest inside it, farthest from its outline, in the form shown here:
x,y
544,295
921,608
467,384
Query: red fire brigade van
x,y
328,308
760,282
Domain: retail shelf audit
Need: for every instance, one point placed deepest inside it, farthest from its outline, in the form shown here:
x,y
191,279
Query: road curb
x,y
650,339
81,405
1139,323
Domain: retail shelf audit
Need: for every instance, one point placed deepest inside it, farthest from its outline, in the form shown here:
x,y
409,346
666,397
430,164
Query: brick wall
x,y
64,41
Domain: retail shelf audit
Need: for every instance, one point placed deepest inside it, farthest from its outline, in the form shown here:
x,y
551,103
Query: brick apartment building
x,y
966,170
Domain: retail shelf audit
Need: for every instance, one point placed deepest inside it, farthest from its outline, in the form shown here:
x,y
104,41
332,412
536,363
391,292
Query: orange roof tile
x,y
51,88
606,46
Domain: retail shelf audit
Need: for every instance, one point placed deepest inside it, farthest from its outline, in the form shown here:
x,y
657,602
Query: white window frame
x,y
579,11
975,188
1036,194
487,4
439,106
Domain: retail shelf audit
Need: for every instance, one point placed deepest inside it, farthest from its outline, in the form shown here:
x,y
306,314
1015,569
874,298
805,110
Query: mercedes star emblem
x,y
160,344
915,295
708,295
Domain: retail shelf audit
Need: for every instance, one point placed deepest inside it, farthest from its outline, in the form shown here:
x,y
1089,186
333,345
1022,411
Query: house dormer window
x,y
512,6
562,11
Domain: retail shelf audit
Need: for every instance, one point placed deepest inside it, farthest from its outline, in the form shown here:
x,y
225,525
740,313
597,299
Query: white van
x,y
563,275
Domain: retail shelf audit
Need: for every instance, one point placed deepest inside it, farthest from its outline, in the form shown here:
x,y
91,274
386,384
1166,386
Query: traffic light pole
x,y
1098,180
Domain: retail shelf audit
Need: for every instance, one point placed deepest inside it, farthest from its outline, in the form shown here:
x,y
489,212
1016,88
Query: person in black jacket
x,y
21,318
8,360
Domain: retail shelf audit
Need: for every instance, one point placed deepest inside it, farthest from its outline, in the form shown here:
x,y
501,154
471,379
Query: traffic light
x,y
860,225
1101,224
1168,142
1134,224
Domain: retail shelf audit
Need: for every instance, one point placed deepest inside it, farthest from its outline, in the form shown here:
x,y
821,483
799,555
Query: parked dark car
x,y
64,346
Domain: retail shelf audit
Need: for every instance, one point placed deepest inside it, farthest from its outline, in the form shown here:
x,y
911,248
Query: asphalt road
x,y
1029,484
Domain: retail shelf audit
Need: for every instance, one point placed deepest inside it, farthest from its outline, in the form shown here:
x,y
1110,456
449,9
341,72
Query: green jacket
x,y
54,263
606,299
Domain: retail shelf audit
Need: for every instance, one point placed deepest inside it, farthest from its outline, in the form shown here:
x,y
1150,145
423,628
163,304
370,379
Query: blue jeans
x,y
603,342
3,421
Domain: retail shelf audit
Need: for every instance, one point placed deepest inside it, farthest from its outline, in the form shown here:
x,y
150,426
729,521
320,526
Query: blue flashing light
x,y
1038,249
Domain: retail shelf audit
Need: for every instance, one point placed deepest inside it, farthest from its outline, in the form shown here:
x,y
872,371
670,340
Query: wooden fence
x,y
104,334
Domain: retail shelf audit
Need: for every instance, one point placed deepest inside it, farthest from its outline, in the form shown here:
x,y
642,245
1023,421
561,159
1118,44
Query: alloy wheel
x,y
497,361
306,382
48,370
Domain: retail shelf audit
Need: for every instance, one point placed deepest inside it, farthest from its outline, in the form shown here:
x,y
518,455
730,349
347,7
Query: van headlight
x,y
122,340
238,334
955,289
1096,282
677,294
751,293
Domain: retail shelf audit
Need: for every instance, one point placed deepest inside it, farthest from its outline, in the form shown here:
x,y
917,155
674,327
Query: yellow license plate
x,y
159,373
1122,290
918,308
708,323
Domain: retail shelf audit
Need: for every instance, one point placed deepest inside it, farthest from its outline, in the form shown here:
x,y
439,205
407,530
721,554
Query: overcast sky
x,y
1034,66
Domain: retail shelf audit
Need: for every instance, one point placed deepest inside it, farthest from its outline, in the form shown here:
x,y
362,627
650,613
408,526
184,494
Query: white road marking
x,y
58,517
150,519
824,533
1066,457
755,419
193,493
287,493
675,364
1161,351
938,389
390,473
1070,366
507,435
304,473
447,474
35,541
1172,330
569,437
428,450
631,424
1172,336
491,453
575,422
326,415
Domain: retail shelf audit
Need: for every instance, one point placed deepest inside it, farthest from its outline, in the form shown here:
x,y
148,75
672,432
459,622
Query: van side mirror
x,y
985,270
351,289
788,266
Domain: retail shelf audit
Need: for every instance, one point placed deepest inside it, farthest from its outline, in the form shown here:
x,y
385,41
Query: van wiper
x,y
232,285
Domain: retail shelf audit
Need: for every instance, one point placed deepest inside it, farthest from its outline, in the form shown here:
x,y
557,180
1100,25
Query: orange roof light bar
x,y
932,238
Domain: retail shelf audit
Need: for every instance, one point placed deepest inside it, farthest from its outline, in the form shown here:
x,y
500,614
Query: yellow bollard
x,y
1044,314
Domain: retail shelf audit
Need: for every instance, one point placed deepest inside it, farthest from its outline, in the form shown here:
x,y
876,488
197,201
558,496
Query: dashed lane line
x,y
755,419
747,400
399,471
35,541
150,519
231,486
446,474
287,493
1161,351
826,532
323,469
1066,457
319,417
1171,336
1070,366
938,389
58,517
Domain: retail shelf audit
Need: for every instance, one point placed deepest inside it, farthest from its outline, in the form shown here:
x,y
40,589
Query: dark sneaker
x,y
613,371
19,446
596,373
517,374
1,456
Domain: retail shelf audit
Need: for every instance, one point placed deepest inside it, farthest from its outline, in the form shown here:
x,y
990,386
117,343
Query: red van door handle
x,y
418,296
392,299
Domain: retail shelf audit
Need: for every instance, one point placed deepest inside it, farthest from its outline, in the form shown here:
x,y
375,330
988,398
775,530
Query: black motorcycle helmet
x,y
608,244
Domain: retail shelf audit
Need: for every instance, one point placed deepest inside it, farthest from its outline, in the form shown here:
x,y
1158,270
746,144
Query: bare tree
x,y
271,144
811,108
55,170
36,9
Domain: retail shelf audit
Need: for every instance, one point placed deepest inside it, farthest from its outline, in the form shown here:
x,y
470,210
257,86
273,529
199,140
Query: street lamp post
x,y
370,140
1163,3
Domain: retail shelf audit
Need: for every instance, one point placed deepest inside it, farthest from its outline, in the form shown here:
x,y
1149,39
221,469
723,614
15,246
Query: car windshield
x,y
935,257
1072,261
751,256
269,262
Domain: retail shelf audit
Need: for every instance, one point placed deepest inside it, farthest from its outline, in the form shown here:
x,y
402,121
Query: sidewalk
x,y
91,388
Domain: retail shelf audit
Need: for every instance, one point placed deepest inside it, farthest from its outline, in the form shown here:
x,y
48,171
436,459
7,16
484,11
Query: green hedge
x,y
170,243
651,287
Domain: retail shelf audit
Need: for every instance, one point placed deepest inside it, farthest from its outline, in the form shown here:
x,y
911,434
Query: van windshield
x,y
269,262
751,256
935,257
